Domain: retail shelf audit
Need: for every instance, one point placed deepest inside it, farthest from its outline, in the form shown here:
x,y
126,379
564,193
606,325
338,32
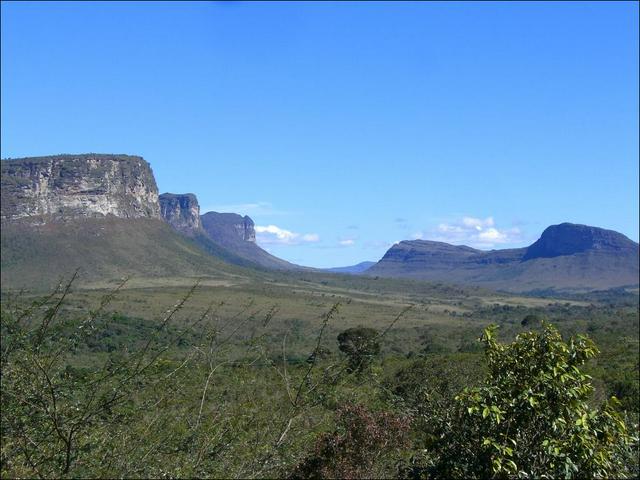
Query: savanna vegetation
x,y
241,384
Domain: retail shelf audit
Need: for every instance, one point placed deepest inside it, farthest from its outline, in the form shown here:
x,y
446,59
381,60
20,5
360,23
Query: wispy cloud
x,y
274,235
347,242
475,232
256,208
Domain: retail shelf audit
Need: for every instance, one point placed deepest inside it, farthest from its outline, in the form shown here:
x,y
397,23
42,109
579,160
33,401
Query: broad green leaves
x,y
531,418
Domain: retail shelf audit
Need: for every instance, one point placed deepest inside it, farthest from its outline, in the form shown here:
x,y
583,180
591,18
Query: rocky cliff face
x,y
237,235
181,211
76,186
229,227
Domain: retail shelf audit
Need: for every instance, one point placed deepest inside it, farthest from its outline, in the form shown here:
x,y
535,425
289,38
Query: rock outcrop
x,y
181,211
77,186
229,227
237,235
56,191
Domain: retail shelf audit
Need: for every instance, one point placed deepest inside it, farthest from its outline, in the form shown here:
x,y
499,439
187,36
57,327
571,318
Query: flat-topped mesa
x,y
181,211
229,227
77,186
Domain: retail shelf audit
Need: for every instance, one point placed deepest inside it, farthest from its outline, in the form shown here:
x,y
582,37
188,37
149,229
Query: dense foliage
x,y
530,418
361,345
100,394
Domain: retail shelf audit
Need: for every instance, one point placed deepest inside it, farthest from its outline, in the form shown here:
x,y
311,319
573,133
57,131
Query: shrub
x,y
531,418
362,446
361,345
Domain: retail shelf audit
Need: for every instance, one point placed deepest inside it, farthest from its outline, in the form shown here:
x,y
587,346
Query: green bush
x,y
361,345
530,418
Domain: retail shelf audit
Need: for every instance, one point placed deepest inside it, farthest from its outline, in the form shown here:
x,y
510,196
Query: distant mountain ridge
x,y
352,269
567,256
569,239
105,210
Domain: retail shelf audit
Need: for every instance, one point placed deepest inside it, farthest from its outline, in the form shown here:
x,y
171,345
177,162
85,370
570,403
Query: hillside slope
x,y
36,256
567,257
236,234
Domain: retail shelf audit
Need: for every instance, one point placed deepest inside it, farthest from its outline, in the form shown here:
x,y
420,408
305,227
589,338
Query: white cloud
x,y
493,235
471,231
347,242
274,235
477,223
279,233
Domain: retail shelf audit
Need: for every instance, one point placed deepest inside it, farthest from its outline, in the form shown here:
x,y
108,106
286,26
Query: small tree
x,y
532,320
361,345
531,417
365,444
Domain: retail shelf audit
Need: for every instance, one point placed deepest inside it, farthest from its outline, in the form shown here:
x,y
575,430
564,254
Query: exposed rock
x,y
229,227
237,235
76,186
181,211
55,198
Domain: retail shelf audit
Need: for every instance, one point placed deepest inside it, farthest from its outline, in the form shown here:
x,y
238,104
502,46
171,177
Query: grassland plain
x,y
232,392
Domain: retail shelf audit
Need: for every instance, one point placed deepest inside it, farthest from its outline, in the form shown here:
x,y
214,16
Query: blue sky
x,y
341,128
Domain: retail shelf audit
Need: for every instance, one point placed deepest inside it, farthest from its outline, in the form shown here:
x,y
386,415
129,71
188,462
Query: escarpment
x,y
78,186
229,228
69,193
181,211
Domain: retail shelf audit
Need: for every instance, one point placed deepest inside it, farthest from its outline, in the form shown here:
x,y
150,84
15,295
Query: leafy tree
x,y
532,320
531,418
361,345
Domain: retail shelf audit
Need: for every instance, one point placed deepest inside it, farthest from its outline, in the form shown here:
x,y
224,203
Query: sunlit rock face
x,y
181,211
76,186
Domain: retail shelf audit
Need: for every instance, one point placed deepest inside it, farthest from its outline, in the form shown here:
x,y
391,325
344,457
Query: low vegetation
x,y
91,392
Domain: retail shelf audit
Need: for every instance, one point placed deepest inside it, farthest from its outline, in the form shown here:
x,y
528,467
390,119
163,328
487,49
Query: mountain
x,y
566,257
77,186
36,256
181,211
352,269
228,236
100,214
237,234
